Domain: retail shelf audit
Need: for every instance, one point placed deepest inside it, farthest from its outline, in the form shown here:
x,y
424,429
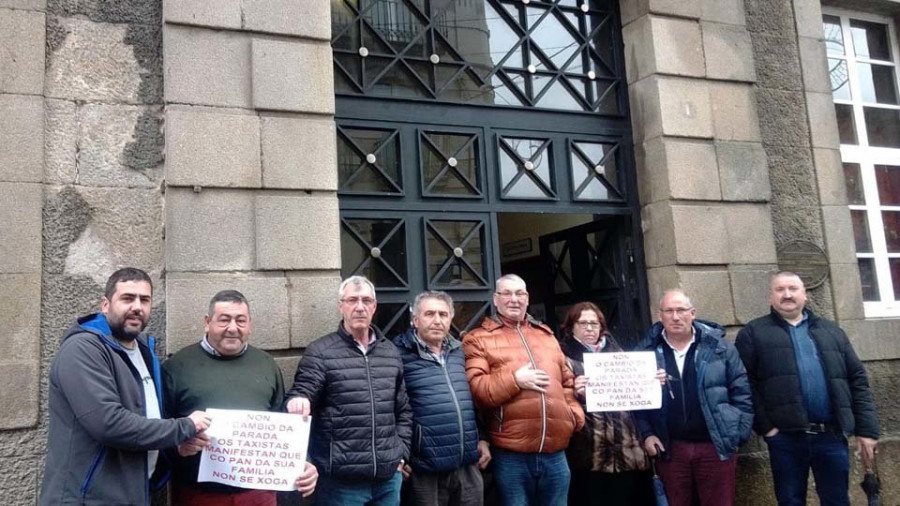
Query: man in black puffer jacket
x,y
446,454
810,391
351,382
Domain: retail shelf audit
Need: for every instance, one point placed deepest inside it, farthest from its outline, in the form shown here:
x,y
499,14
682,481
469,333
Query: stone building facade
x,y
197,140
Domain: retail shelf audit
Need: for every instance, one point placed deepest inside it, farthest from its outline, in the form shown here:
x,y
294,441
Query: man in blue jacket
x,y
106,421
707,409
447,456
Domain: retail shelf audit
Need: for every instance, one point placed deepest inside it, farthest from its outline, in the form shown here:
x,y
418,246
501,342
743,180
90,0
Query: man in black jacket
x,y
810,391
351,382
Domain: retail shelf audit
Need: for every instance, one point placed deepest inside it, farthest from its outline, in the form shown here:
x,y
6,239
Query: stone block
x,y
704,287
659,45
755,484
773,17
31,5
782,117
723,11
777,61
734,112
633,9
99,62
311,20
22,477
314,303
674,168
659,234
60,141
728,52
215,148
21,138
20,315
822,120
207,67
288,366
22,35
20,228
792,176
743,171
847,289
299,153
839,243
297,232
751,239
187,300
808,14
19,394
107,228
218,14
671,106
210,230
875,338
700,233
120,145
815,65
292,76
750,290
830,177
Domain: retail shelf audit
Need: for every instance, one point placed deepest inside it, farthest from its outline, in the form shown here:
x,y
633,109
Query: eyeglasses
x,y
680,311
352,301
588,325
521,294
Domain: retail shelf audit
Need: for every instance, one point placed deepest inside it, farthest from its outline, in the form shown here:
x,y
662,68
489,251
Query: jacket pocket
x,y
92,471
417,439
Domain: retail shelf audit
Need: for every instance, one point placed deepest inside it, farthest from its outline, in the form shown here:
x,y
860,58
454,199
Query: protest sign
x,y
255,449
621,381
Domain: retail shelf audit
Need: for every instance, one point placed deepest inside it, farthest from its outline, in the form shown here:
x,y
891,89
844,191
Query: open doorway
x,y
569,258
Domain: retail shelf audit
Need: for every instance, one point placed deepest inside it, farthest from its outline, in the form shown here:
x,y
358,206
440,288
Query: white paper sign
x,y
621,381
255,449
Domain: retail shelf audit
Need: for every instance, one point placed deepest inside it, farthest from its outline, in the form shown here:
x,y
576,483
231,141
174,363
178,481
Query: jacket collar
x,y
705,333
349,338
811,317
498,321
98,325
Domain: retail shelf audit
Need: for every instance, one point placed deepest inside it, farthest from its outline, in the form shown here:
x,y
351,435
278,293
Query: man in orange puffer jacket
x,y
522,385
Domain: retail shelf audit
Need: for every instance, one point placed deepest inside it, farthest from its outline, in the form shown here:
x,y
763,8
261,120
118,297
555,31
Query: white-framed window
x,y
863,62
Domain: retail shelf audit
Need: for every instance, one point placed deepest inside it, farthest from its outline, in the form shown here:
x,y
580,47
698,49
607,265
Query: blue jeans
x,y
523,479
331,492
791,456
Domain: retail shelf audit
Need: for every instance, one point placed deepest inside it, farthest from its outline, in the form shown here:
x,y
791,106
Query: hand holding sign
x,y
622,381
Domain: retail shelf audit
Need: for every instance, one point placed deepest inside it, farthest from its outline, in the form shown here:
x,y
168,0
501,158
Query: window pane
x,y
834,38
891,221
861,231
883,127
895,275
870,40
840,79
876,83
888,178
846,127
852,177
867,278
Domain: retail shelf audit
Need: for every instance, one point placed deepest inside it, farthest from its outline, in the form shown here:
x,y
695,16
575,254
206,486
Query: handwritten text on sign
x,y
621,381
255,449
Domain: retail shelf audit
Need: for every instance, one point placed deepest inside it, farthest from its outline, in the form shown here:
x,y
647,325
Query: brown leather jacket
x,y
519,420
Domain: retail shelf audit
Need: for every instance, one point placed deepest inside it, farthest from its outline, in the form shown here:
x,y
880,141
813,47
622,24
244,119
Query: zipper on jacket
x,y
372,401
86,484
462,433
543,397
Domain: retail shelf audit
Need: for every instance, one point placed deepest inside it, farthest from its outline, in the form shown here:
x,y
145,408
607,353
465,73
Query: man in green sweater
x,y
223,371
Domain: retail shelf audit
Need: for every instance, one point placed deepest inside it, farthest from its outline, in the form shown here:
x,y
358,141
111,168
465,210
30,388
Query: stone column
x,y
702,170
251,173
21,174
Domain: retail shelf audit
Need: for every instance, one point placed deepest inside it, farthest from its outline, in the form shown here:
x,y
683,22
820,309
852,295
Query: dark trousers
x,y
462,487
629,488
793,454
531,479
694,470
193,496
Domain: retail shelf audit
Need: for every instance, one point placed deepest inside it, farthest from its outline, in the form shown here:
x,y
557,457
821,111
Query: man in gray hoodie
x,y
106,421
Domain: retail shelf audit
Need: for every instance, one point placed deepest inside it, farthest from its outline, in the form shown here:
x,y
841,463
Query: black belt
x,y
821,428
